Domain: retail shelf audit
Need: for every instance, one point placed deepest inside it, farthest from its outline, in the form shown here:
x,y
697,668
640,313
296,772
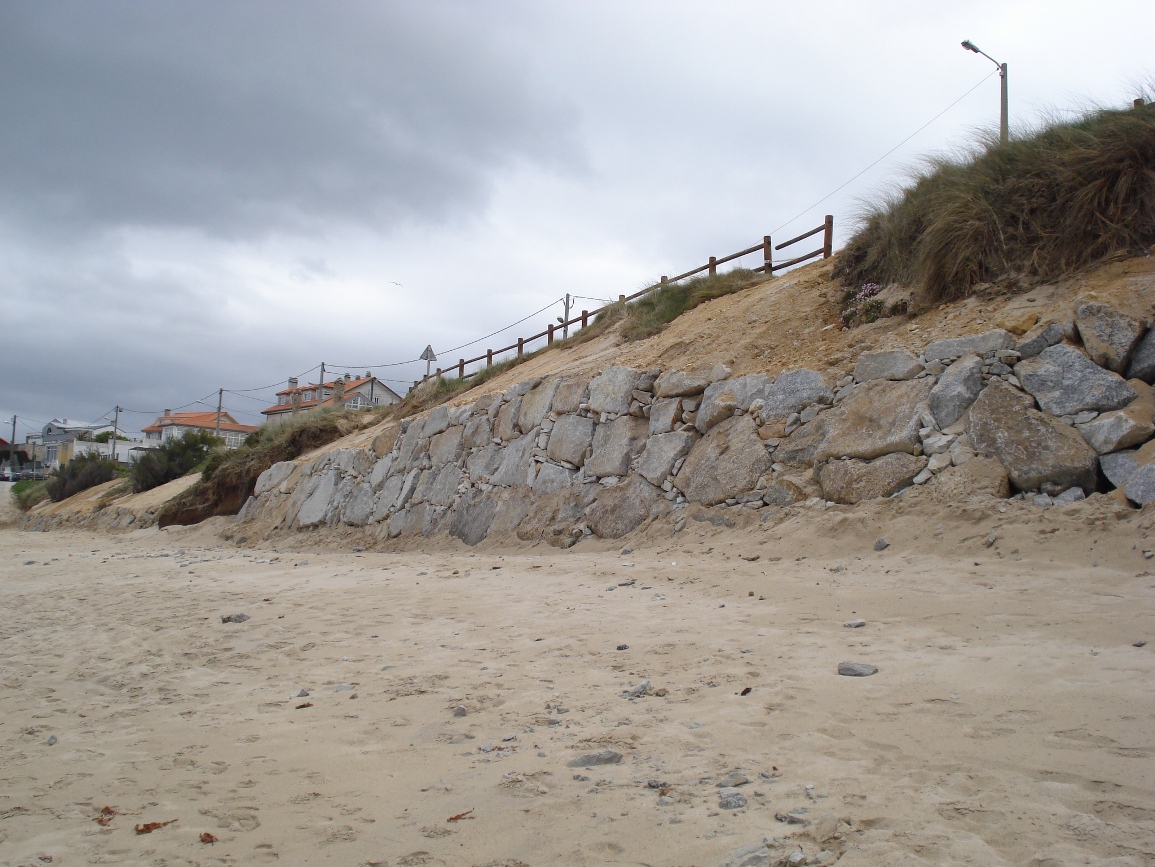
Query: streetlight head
x,y
970,46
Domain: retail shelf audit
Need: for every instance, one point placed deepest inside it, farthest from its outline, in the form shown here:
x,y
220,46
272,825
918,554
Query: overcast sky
x,y
225,194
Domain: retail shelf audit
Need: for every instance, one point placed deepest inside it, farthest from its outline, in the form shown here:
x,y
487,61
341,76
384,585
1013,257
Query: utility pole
x,y
565,319
1004,125
12,446
321,386
220,401
115,428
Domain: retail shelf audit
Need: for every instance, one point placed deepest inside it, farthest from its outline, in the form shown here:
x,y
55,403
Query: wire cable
x,y
885,155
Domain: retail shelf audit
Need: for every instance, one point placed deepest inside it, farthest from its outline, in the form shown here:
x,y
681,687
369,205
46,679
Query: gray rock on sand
x,y
857,669
731,799
1037,449
755,855
601,757
1036,343
1122,428
1140,485
1118,466
1066,382
235,618
850,482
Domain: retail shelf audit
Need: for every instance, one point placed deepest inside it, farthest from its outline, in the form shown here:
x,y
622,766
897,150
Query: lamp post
x,y
1003,121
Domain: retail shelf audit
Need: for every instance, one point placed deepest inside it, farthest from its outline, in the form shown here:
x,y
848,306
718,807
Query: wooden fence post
x,y
713,265
438,376
461,369
828,237
520,347
489,358
585,318
549,335
767,255
665,280
621,299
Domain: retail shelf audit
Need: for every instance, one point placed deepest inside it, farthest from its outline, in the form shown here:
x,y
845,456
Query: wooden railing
x,y
768,266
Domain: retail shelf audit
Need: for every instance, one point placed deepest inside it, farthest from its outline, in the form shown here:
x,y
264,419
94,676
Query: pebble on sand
x,y
857,669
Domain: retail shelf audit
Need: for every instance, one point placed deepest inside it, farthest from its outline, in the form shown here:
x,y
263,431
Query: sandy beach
x,y
1009,721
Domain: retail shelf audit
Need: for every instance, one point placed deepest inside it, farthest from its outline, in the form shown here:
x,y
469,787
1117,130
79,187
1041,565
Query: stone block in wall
x,y
622,508
413,446
444,488
1142,364
447,447
879,418
988,341
610,390
976,477
889,364
722,398
273,476
665,414
798,449
550,513
505,426
1064,381
473,516
383,443
318,496
570,394
1036,448
572,435
726,462
436,421
358,507
483,464
535,405
661,452
793,391
478,432
956,390
853,481
1110,337
782,492
679,383
381,471
515,462
1122,428
615,444
552,478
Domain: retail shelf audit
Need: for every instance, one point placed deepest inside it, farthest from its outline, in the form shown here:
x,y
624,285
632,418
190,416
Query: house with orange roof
x,y
174,424
360,393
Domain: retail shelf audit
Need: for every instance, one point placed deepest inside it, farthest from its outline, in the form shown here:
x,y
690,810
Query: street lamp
x,y
1003,133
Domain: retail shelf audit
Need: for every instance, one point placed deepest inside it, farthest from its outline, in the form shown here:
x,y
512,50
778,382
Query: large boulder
x,y
1109,336
384,441
956,390
1036,449
620,509
505,425
358,507
570,394
879,418
665,413
615,445
853,481
444,488
381,471
482,464
478,432
798,449
446,447
662,452
413,446
1033,344
722,399
978,477
515,463
318,498
793,391
1123,428
890,364
726,462
678,383
956,347
1142,364
1064,381
1117,467
552,478
273,476
436,421
1140,485
611,390
569,439
535,405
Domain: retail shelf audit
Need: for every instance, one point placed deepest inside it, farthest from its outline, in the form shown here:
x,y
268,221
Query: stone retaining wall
x,y
1054,416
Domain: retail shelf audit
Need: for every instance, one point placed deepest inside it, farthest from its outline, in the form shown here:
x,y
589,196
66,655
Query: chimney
x,y
292,382
347,377
168,412
368,374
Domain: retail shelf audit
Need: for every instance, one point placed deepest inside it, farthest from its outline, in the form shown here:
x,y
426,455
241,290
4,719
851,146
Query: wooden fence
x,y
768,266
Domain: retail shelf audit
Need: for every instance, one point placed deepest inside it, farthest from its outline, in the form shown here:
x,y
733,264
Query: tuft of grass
x,y
1038,207
29,492
650,314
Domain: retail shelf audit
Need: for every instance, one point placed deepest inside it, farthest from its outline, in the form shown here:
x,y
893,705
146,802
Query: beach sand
x,y
1010,721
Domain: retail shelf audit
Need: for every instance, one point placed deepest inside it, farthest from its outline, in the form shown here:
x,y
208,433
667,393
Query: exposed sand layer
x,y
1009,722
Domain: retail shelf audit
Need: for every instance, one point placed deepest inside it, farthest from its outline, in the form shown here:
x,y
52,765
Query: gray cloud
x,y
241,118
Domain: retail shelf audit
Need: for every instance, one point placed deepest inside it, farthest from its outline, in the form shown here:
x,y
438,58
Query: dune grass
x,y
1036,208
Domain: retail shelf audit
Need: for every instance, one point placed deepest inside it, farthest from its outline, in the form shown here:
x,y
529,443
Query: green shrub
x,y
175,458
1039,207
29,492
80,474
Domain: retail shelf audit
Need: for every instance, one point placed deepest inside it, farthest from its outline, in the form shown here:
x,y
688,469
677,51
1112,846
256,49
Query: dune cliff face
x,y
1056,415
